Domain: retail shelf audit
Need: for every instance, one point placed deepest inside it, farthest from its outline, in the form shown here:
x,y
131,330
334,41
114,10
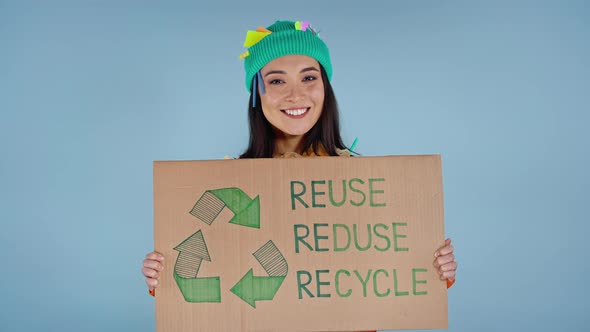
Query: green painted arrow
x,y
251,288
199,289
246,210
192,251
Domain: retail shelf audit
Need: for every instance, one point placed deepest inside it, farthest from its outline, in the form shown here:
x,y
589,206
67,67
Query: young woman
x,y
292,111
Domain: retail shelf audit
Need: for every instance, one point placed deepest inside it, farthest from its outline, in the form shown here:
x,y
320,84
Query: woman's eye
x,y
310,78
275,81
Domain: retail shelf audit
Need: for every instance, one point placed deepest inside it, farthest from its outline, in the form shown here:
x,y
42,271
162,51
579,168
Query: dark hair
x,y
326,131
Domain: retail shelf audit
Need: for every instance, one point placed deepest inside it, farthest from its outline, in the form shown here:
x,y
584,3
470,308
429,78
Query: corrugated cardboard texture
x,y
273,245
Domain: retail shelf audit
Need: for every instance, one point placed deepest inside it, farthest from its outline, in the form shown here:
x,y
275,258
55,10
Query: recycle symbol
x,y
193,251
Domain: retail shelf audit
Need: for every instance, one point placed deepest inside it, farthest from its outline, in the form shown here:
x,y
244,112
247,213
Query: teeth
x,y
296,111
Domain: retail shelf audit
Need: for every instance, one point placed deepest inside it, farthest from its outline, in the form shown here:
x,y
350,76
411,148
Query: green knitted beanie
x,y
279,39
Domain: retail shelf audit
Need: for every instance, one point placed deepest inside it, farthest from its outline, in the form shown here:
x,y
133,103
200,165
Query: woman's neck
x,y
286,144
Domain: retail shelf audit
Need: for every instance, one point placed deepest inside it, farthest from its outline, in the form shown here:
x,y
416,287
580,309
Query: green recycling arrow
x,y
192,251
246,210
252,288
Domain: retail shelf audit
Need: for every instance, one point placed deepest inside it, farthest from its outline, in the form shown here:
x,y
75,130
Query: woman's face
x,y
294,95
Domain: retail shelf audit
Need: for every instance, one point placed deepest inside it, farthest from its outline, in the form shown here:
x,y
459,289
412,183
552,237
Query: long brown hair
x,y
325,133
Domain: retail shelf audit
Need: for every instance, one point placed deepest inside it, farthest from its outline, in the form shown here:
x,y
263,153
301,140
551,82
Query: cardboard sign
x,y
302,244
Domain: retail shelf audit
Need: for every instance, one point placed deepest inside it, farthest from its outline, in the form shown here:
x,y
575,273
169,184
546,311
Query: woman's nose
x,y
295,93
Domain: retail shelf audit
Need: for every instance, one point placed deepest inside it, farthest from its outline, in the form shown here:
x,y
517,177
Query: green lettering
x,y
357,191
331,191
364,282
316,193
414,271
395,285
371,192
334,227
386,238
318,237
300,238
301,286
322,283
395,236
296,196
375,284
347,294
369,241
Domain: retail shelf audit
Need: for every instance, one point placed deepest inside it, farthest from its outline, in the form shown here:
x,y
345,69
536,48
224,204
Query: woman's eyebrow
x,y
309,69
284,72
274,72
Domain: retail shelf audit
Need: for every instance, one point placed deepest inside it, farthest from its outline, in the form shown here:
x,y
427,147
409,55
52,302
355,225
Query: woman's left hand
x,y
445,261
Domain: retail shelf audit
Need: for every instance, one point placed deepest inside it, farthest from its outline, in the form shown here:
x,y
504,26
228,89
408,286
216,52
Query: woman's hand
x,y
445,262
153,264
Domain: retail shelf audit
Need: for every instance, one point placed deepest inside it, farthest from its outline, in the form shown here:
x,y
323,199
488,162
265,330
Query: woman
x,y
292,111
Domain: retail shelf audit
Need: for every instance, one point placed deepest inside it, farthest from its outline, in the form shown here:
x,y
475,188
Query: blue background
x,y
91,92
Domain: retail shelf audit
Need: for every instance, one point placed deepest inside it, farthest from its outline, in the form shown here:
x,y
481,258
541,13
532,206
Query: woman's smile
x,y
295,113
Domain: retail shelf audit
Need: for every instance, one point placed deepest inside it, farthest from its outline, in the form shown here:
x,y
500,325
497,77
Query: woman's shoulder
x,y
343,152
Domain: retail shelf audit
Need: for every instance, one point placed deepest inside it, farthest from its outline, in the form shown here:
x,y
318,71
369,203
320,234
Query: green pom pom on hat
x,y
280,39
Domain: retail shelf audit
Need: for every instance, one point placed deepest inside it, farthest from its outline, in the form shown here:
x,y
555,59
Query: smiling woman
x,y
293,112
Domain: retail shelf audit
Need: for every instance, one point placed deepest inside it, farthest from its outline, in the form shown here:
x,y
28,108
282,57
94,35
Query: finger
x,y
439,251
444,250
151,283
155,256
442,260
447,275
155,265
149,273
452,266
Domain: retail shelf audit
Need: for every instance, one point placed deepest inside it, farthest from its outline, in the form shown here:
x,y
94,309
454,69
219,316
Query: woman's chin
x,y
291,131
295,132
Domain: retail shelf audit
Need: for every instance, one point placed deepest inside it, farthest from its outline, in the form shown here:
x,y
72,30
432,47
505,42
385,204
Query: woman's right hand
x,y
153,264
